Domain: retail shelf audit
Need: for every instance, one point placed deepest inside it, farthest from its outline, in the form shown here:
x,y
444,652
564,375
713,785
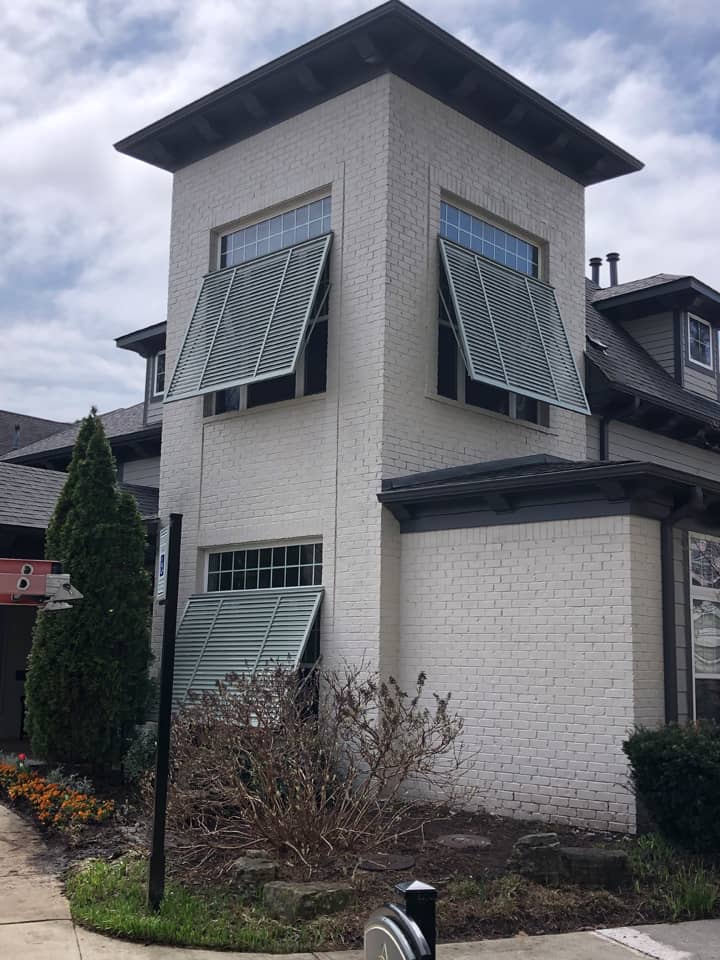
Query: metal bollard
x,y
420,901
408,932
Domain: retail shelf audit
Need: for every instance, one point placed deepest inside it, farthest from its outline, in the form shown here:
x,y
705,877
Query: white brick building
x,y
375,428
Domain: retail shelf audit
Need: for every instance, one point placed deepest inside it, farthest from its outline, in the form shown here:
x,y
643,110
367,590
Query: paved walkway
x,y
35,924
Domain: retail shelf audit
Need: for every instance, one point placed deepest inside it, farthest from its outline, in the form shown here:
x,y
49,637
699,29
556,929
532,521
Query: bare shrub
x,y
334,763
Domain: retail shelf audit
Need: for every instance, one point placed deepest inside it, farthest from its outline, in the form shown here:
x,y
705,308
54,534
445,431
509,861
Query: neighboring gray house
x,y
377,427
19,429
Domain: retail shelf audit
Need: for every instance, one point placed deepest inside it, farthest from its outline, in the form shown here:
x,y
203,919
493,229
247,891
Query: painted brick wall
x,y
434,150
549,637
305,468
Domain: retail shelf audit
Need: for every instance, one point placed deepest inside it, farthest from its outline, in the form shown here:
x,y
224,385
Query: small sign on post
x,y
163,544
395,932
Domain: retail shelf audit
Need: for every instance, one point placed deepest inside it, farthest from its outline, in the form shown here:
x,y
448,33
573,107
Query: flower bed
x,y
54,805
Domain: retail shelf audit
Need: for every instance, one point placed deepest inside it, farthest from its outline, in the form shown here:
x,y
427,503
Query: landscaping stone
x,y
285,900
593,867
250,872
379,862
464,841
537,857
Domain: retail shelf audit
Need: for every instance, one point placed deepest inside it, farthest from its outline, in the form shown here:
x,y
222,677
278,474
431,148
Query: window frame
x,y
708,594
265,545
699,363
257,220
461,375
154,392
488,220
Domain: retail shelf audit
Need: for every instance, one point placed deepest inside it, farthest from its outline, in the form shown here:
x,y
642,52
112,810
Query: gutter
x,y
667,580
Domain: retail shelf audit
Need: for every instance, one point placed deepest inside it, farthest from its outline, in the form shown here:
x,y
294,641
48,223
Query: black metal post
x,y
420,900
156,873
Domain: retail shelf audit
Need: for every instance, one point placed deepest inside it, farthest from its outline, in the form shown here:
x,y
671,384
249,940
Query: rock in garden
x,y
379,862
594,867
250,872
464,841
285,900
537,857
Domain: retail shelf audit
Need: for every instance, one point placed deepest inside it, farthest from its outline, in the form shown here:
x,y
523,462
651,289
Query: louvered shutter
x,y
243,632
510,329
250,321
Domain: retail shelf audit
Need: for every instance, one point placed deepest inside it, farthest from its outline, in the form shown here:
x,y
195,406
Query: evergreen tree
x,y
87,680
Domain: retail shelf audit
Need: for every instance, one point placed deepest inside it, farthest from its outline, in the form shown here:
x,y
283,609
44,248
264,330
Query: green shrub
x,y
140,756
676,774
87,684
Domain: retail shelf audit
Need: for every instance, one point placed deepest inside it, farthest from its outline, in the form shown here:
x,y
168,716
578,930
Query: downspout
x,y
667,577
605,438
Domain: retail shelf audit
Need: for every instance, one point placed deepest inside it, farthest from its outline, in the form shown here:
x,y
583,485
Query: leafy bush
x,y
139,759
676,774
267,761
71,781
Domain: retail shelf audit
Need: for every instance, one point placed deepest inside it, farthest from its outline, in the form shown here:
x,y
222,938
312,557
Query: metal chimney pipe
x,y
612,259
595,264
16,438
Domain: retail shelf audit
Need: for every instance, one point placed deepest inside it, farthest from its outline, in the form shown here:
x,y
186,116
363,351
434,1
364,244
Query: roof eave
x,y
154,143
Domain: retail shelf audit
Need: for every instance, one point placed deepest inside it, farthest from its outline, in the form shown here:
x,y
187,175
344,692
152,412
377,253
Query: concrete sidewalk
x,y
35,924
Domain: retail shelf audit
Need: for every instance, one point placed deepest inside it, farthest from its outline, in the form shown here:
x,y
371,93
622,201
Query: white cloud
x,y
83,251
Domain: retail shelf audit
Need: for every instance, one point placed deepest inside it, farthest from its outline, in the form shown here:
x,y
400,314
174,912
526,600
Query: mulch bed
x,y
529,908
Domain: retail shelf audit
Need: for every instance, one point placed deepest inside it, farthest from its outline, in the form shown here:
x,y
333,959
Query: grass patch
x,y
682,887
111,898
465,888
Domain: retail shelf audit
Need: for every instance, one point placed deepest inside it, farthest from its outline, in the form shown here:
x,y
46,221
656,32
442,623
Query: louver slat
x,y
511,330
242,632
256,328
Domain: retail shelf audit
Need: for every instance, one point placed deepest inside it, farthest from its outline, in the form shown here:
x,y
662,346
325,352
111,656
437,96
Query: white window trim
x,y
255,218
493,221
255,545
698,593
155,392
705,323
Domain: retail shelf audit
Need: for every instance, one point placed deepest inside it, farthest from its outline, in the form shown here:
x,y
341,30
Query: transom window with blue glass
x,y
491,242
285,230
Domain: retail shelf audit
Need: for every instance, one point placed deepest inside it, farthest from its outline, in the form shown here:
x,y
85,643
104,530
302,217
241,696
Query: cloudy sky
x,y
84,230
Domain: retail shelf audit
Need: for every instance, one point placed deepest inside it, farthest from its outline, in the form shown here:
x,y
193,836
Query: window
x,y
285,230
705,618
158,374
309,378
245,633
506,322
261,568
255,317
700,342
491,242
454,383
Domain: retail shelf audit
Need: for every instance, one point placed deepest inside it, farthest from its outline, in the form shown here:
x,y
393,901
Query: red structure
x,y
35,583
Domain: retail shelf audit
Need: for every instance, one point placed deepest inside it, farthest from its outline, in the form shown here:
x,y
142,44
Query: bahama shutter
x,y
243,632
251,321
510,330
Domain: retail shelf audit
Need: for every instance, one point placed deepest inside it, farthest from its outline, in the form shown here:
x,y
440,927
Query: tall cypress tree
x,y
87,680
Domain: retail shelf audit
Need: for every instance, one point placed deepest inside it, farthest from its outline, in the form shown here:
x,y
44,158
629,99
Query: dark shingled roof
x,y
31,429
629,368
28,496
644,283
118,424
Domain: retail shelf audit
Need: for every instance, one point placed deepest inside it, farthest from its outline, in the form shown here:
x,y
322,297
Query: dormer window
x,y
158,374
700,342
